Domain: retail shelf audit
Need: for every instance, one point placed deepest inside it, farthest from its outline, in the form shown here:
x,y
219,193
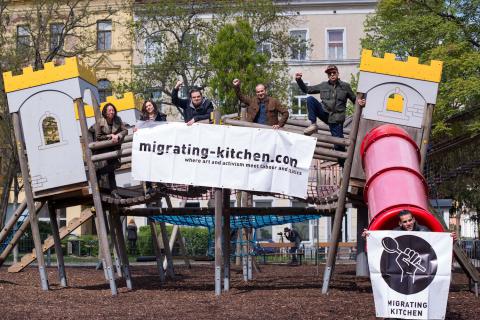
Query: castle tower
x,y
44,101
397,92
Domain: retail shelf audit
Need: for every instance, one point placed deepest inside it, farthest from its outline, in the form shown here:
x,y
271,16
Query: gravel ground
x,y
278,292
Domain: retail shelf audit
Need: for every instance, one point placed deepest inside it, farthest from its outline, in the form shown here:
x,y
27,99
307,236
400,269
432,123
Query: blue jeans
x,y
315,111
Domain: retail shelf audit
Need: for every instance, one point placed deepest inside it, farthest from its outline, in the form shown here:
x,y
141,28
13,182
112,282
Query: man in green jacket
x,y
334,94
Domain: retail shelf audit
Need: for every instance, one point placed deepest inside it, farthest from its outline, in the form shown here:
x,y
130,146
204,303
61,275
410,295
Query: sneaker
x,y
311,129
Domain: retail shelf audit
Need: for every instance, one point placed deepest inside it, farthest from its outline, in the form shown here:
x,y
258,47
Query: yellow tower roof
x,y
407,69
72,68
126,103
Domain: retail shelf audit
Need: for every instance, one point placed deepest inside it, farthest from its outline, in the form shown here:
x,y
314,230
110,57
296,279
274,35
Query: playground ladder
x,y
49,243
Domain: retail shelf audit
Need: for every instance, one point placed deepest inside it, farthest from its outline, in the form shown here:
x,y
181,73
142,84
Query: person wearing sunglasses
x,y
334,95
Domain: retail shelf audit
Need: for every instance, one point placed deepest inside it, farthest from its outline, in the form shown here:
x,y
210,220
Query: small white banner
x,y
242,158
410,273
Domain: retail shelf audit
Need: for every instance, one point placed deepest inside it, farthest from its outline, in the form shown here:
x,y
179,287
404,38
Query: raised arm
x,y
181,103
238,92
306,89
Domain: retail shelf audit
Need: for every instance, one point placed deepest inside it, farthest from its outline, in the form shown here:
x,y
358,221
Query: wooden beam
x,y
30,200
226,242
157,249
339,212
92,177
62,276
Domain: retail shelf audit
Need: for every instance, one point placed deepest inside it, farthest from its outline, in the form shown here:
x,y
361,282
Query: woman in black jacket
x,y
150,112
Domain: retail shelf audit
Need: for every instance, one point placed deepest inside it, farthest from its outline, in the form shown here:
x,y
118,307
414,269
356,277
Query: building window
x,y
56,30
155,94
264,233
104,89
298,100
23,37
191,45
265,48
299,52
335,44
50,130
104,35
152,50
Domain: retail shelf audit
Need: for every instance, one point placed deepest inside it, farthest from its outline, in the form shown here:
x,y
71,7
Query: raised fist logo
x,y
407,260
408,263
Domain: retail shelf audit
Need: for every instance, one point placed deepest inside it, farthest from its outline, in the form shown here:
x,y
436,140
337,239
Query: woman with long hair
x,y
111,127
150,112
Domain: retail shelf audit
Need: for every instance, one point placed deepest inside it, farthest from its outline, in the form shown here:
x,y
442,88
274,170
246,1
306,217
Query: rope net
x,y
236,222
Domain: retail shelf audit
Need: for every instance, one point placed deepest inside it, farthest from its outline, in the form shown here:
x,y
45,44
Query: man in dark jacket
x,y
195,108
334,94
294,237
262,109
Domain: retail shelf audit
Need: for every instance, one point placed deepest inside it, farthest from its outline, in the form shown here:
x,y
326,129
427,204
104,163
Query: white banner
x,y
410,273
242,158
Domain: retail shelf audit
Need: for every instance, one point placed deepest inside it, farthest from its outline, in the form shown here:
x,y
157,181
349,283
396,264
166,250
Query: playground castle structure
x,y
65,96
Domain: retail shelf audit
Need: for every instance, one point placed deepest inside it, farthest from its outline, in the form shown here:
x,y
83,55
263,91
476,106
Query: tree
x,y
234,55
173,37
430,29
33,33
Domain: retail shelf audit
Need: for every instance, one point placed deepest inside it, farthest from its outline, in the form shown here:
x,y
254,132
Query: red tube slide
x,y
391,161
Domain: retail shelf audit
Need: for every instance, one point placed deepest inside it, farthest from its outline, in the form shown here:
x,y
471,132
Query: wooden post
x,y
168,252
427,128
30,201
62,277
178,236
218,240
157,249
101,261
249,253
362,223
238,246
113,240
92,178
116,224
244,255
226,237
340,210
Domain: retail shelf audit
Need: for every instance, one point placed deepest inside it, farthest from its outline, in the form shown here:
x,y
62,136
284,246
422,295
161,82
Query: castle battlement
x,y
72,68
127,102
407,69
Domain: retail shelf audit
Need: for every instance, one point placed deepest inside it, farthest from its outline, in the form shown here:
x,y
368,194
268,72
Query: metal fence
x,y
472,249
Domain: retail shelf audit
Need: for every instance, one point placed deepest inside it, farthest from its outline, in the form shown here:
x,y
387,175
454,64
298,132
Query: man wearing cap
x,y
334,94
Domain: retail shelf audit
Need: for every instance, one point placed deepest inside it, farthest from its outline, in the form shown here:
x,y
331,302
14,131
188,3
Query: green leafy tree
x,y
234,55
173,38
442,30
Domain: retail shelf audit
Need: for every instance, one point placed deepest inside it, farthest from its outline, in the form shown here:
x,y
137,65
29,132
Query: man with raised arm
x,y
334,95
195,108
262,108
